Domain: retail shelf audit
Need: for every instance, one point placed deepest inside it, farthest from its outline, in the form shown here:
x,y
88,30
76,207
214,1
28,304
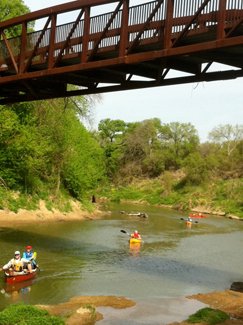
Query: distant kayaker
x,y
30,255
136,235
17,264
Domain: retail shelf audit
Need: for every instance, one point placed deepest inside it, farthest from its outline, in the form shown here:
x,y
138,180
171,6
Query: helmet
x,y
17,253
136,231
28,247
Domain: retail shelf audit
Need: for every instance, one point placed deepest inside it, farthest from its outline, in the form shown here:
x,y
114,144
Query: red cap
x,y
28,247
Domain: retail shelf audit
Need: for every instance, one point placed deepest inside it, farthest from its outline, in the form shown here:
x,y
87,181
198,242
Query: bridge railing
x,y
146,21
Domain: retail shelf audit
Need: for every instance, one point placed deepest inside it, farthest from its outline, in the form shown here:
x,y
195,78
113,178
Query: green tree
x,y
10,9
228,140
20,147
44,145
111,134
178,141
111,130
228,136
142,149
196,169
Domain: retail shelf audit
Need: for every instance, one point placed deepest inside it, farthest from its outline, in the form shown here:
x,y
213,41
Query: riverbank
x,y
111,309
42,214
228,301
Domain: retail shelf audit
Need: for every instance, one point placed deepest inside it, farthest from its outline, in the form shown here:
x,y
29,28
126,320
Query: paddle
x,y
125,232
191,221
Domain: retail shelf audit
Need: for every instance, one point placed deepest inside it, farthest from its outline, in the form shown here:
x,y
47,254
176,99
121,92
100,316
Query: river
x,y
93,257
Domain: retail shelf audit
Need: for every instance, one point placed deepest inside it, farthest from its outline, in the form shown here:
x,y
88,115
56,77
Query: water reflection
x,y
135,249
15,292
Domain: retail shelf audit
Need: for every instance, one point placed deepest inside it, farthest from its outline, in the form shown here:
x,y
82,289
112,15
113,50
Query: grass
x,y
220,195
209,316
21,314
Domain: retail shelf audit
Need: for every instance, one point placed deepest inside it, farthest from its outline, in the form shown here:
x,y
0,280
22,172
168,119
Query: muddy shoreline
x,y
114,310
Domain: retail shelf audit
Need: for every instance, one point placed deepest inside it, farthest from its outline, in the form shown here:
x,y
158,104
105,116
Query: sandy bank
x,y
82,310
228,301
42,214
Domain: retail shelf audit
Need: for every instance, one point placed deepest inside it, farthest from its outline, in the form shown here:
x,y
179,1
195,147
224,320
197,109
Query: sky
x,y
205,105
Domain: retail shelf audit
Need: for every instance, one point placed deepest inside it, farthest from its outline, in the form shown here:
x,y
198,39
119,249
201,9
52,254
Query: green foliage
x,y
178,140
168,190
11,9
196,169
84,167
209,316
27,315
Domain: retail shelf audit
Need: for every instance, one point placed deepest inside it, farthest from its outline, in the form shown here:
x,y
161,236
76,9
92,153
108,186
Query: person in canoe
x,y
136,235
30,256
17,264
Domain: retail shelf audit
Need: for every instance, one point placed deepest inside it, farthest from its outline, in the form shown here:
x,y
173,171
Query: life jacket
x,y
28,255
17,265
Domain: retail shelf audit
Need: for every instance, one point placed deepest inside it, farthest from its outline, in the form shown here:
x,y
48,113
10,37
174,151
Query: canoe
x,y
135,241
19,276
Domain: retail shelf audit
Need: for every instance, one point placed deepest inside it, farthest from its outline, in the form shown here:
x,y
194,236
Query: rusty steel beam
x,y
144,27
164,38
185,30
59,9
132,58
96,45
37,45
212,76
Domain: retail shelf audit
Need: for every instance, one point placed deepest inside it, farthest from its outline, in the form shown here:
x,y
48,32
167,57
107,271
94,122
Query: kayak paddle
x,y
125,232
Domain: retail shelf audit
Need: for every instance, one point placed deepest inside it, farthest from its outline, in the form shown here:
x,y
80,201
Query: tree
x,y
110,134
142,149
178,141
10,9
110,130
228,140
227,136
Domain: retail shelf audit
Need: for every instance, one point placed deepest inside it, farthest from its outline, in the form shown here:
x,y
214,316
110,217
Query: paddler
x,y
189,222
136,235
30,256
17,264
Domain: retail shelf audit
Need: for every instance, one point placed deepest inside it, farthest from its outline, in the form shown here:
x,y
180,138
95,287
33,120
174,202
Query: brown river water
x,y
93,257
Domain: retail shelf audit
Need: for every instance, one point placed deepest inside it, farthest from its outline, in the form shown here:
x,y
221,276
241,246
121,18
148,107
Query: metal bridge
x,y
128,47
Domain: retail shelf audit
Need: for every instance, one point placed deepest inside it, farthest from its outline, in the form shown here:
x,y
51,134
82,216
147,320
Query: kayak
x,y
194,215
19,276
135,241
189,224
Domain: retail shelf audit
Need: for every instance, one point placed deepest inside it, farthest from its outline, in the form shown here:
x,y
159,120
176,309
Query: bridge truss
x,y
129,47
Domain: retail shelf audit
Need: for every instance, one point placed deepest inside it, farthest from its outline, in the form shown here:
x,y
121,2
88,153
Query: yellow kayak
x,y
135,241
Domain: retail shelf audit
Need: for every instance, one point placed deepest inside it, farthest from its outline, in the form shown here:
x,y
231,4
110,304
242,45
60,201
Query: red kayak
x,y
196,215
19,276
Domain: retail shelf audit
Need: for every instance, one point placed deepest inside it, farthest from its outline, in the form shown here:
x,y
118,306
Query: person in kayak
x,y
17,264
30,256
136,235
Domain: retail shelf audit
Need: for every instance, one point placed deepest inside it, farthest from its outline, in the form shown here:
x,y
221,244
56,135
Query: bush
x,y
27,315
209,316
